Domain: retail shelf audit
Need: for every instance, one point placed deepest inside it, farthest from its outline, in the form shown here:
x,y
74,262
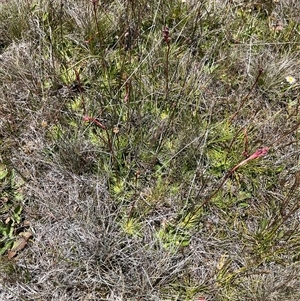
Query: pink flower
x,y
86,118
259,153
95,121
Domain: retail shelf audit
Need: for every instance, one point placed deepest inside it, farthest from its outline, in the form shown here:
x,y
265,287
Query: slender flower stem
x,y
243,101
78,80
167,39
95,3
108,136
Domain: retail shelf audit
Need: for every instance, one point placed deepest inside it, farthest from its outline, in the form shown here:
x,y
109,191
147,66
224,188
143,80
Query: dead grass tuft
x,y
120,128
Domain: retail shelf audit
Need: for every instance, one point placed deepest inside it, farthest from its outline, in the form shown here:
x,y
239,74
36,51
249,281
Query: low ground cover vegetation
x,y
149,150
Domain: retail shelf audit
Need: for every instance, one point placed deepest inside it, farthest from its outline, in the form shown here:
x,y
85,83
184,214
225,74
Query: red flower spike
x,y
259,153
86,118
167,38
95,121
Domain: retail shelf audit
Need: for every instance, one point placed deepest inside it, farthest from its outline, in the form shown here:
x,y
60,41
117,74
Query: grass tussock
x,y
149,151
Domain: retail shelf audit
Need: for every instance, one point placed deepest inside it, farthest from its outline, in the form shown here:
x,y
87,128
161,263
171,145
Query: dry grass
x,y
115,143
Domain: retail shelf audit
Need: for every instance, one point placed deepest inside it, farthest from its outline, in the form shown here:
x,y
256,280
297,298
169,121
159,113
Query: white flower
x,y
291,80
